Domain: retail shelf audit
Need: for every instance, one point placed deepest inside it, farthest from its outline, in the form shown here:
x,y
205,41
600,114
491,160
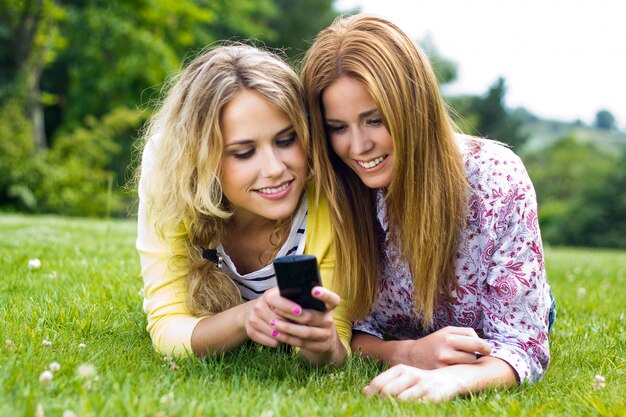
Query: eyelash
x,y
340,129
281,143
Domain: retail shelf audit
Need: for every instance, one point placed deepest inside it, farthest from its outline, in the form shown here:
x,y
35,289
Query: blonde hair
x,y
426,199
184,186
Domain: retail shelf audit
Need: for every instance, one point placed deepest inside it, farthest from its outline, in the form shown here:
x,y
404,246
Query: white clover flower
x,y
52,275
82,345
167,399
34,263
54,366
46,376
598,381
46,342
87,371
9,344
69,413
582,292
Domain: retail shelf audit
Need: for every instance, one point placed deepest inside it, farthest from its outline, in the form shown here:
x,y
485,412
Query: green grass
x,y
86,291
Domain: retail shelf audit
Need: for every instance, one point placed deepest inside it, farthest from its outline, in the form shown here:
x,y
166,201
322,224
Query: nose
x,y
273,165
360,142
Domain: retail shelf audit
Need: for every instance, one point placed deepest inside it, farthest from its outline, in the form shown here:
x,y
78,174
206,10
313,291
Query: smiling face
x,y
357,133
263,168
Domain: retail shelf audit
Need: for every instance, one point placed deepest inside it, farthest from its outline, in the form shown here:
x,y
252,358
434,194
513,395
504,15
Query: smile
x,y
274,190
373,163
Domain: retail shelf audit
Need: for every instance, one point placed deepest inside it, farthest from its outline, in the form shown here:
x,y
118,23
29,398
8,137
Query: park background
x,y
79,78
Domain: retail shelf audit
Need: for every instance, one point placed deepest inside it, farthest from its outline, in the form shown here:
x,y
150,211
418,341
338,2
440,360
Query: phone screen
x,y
296,276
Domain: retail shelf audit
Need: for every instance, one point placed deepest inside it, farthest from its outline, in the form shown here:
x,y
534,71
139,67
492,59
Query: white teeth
x,y
274,190
372,163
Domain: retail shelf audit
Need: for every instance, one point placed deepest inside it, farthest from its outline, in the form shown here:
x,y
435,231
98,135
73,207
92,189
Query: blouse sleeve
x,y
515,297
165,290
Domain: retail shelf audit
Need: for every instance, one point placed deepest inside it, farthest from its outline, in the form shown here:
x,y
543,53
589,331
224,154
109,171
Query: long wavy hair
x,y
183,185
426,199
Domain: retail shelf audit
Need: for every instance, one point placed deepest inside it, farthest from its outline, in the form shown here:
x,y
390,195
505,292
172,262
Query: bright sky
x,y
562,59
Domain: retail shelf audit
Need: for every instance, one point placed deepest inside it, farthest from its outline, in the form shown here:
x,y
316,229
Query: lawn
x,y
81,312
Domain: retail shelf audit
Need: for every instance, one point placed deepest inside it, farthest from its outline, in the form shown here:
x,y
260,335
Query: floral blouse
x,y
502,290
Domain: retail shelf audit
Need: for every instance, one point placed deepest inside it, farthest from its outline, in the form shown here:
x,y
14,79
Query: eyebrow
x,y
361,116
249,141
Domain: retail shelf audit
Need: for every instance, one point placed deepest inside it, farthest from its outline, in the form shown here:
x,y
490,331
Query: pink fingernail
x,y
274,333
296,310
273,323
317,292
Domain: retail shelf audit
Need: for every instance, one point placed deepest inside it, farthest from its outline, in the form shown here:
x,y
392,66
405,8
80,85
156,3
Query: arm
x,y
411,383
445,347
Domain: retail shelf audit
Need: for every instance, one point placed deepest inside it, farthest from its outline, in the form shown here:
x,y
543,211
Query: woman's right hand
x,y
448,346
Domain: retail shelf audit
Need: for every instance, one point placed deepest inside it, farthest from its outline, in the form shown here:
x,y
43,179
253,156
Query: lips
x,y
274,190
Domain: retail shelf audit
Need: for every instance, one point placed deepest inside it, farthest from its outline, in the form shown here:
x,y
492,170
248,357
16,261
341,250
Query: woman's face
x,y
264,168
357,133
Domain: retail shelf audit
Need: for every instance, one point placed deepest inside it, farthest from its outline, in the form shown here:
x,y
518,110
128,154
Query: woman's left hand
x,y
313,331
410,383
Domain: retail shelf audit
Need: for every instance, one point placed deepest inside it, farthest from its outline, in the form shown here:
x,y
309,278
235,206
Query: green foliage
x,y
580,191
445,70
87,292
487,116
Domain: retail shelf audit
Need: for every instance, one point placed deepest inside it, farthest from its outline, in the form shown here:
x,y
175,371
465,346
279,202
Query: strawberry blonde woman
x,y
223,190
439,254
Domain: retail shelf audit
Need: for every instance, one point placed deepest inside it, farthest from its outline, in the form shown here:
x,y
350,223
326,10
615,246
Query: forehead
x,y
249,115
347,96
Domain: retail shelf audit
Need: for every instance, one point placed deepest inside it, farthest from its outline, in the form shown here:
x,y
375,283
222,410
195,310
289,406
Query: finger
x,y
463,331
377,384
327,296
412,393
396,386
469,344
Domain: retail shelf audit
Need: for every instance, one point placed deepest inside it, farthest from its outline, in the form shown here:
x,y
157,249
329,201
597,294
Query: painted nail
x,y
273,323
296,310
317,292
274,333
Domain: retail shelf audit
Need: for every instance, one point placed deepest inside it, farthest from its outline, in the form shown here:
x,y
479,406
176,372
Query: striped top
x,y
254,284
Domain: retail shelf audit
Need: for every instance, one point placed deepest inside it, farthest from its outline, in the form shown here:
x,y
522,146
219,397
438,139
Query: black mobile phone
x,y
296,276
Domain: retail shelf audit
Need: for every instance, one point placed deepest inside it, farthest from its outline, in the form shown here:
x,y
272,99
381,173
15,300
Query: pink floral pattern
x,y
502,293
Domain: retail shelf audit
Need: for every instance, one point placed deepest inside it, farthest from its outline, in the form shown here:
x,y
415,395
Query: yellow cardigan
x,y
170,322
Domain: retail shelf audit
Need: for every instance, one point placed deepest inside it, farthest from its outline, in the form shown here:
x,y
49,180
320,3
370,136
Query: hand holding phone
x,y
296,276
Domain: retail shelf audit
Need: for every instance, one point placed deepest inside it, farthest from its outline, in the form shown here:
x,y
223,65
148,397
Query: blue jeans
x,y
552,314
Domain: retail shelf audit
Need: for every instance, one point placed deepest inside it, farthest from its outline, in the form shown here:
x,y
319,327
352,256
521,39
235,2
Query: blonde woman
x,y
439,254
223,190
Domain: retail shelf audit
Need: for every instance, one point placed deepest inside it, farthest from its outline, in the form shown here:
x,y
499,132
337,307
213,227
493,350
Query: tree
x,y
488,116
605,120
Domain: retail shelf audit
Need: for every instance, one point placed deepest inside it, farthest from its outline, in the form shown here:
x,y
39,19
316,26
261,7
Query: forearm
x,y
487,372
392,352
221,332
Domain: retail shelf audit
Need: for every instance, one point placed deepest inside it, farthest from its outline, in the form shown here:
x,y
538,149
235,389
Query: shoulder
x,y
491,165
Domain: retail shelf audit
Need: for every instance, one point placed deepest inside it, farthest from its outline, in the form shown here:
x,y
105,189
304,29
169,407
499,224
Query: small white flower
x,y
46,342
9,344
54,366
582,292
39,411
82,345
46,376
34,263
69,413
52,275
167,399
599,381
87,371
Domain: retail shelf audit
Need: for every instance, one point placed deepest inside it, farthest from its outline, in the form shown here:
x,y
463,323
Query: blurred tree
x,y
580,192
445,70
29,39
487,116
605,120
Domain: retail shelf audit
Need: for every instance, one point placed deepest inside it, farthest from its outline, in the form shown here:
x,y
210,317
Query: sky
x,y
561,59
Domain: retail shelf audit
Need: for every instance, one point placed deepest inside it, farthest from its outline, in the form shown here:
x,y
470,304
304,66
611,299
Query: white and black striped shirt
x,y
254,284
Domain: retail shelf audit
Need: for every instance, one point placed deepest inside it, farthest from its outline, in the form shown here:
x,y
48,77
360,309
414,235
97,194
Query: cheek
x,y
339,145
